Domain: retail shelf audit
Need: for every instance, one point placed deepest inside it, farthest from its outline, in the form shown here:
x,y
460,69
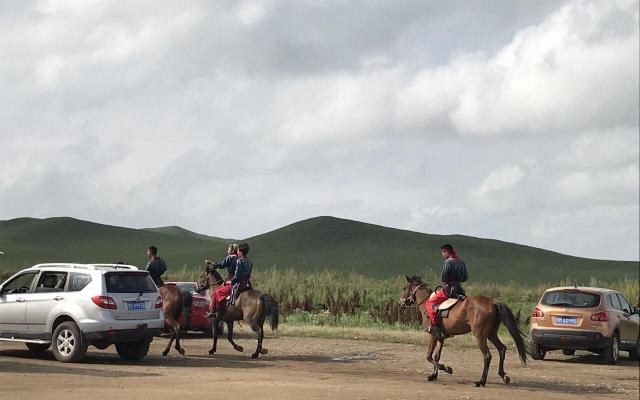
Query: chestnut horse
x,y
174,303
251,306
477,314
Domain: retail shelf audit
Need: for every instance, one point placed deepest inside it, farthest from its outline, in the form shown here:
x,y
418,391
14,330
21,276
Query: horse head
x,y
408,295
209,278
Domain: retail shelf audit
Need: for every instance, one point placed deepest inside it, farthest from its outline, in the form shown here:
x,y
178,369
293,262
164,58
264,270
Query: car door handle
x,y
20,300
58,298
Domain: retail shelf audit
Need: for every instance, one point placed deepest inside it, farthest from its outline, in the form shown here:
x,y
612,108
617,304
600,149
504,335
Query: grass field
x,y
341,304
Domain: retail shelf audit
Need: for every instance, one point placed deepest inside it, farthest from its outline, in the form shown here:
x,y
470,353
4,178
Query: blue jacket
x,y
242,275
229,263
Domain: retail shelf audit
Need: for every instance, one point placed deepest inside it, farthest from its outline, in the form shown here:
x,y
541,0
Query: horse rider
x,y
217,298
454,272
156,265
241,280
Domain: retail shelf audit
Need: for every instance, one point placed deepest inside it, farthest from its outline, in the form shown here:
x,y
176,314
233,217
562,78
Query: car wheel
x,y
537,352
133,351
568,352
67,343
611,353
38,347
635,353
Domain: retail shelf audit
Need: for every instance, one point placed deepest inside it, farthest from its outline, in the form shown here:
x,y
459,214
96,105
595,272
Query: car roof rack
x,y
86,266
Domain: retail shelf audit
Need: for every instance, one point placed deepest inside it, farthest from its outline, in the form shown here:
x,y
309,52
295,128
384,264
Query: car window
x,y
615,303
187,287
129,282
626,307
569,298
19,284
51,281
78,281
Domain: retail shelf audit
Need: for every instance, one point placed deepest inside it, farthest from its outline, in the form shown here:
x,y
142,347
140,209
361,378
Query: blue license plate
x,y
566,320
135,305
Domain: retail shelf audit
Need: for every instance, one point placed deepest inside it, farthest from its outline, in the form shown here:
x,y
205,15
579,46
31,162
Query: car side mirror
x,y
636,310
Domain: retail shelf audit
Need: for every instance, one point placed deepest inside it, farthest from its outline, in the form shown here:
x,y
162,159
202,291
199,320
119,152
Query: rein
x,y
413,294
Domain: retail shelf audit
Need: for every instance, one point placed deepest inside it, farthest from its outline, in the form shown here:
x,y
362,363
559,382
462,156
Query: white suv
x,y
70,306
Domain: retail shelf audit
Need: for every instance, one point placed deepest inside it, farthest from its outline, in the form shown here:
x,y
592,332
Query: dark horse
x,y
477,314
174,303
252,307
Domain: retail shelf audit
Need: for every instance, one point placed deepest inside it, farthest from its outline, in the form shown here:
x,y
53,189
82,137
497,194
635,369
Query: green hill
x,y
313,244
27,241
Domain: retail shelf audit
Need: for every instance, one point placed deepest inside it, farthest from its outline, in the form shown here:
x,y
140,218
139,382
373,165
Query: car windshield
x,y
568,298
129,282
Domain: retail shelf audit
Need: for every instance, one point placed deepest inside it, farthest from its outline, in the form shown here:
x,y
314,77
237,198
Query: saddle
x,y
445,306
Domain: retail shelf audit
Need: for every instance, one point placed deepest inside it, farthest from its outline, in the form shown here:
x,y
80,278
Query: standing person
x,y
156,265
217,298
242,278
454,272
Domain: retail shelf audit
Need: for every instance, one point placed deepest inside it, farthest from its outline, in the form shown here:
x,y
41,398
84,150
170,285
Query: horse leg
x,y
436,358
215,331
173,325
431,348
502,349
230,337
257,329
177,336
486,355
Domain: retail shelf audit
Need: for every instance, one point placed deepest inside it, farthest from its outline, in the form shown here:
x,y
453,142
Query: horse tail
x,y
506,316
185,308
271,309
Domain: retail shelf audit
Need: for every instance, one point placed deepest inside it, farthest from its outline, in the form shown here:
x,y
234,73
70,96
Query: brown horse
x,y
174,303
251,306
477,314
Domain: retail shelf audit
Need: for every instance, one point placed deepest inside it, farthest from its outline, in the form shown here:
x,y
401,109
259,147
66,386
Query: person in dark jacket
x,y
156,265
242,278
216,306
454,272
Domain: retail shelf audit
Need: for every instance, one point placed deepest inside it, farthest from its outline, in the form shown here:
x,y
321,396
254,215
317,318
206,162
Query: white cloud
x,y
145,114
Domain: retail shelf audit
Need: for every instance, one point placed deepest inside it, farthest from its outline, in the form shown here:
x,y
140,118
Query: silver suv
x,y
70,306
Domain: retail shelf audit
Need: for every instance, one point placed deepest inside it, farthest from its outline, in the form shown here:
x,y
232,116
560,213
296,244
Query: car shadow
x,y
589,358
563,387
96,358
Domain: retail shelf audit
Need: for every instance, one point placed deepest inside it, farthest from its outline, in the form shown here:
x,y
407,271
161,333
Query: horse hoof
x,y
212,351
255,355
181,351
164,353
239,349
478,384
431,378
449,370
506,380
264,351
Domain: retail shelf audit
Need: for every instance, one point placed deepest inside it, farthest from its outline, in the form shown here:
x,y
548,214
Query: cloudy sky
x,y
513,120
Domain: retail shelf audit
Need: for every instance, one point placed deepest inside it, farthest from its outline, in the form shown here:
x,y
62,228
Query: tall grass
x,y
332,298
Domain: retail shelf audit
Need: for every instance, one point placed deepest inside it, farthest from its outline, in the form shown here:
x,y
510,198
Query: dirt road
x,y
306,368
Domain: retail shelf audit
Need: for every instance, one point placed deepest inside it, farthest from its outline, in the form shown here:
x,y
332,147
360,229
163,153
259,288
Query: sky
x,y
513,120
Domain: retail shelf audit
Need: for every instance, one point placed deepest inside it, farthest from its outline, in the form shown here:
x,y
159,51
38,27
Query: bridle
x,y
414,301
208,285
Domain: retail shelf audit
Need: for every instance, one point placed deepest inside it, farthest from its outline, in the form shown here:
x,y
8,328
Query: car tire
x,y
568,352
634,354
38,347
133,351
611,353
67,343
537,352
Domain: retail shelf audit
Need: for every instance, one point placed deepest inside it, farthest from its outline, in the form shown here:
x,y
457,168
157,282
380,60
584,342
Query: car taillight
x,y
601,316
159,302
105,302
537,312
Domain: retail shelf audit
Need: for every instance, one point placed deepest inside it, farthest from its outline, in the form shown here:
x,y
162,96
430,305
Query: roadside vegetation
x,y
352,301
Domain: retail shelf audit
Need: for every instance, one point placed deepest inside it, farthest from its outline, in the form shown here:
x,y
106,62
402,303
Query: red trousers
x,y
221,293
432,304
